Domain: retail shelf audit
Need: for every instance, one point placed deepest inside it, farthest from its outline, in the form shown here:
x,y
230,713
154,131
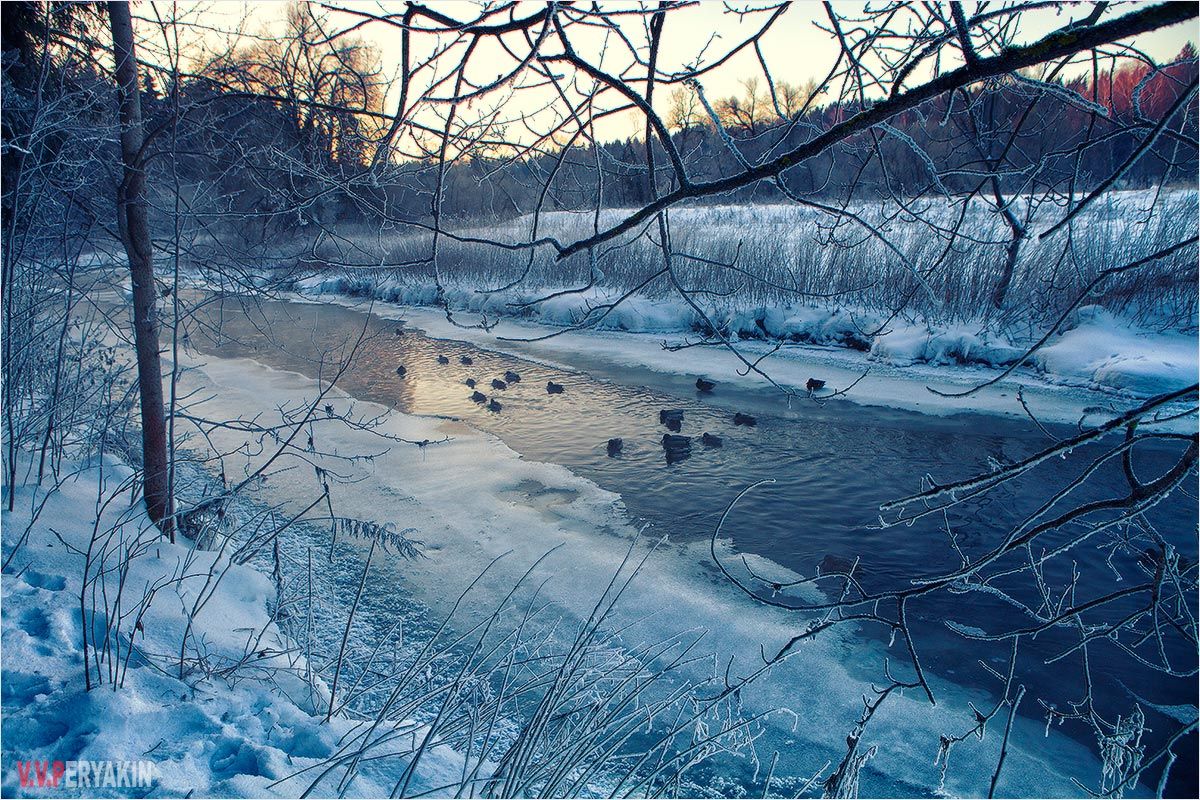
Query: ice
x,y
469,501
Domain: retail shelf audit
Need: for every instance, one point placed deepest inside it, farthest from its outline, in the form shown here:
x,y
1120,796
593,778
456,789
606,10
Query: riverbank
x,y
239,714
472,500
1096,366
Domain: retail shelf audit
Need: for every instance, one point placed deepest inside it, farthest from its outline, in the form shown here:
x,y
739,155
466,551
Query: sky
x,y
796,48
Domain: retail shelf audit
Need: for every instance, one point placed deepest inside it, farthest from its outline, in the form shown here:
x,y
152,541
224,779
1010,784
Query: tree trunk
x,y
1016,236
133,221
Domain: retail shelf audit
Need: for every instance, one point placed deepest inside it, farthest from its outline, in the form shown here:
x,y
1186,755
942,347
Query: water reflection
x,y
678,457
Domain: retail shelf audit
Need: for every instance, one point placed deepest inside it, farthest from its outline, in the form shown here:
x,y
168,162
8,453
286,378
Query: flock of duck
x,y
498,384
675,445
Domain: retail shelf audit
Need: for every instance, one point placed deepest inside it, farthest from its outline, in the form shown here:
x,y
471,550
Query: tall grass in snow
x,y
776,255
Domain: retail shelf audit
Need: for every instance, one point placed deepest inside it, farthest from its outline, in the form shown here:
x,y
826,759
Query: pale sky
x,y
795,48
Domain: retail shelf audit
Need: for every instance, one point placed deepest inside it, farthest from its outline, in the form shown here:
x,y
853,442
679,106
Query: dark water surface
x,y
832,466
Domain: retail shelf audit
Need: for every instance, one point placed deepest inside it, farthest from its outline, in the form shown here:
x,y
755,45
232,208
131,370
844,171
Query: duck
x,y
666,415
744,419
401,371
676,448
553,388
814,385
498,384
478,397
614,446
511,376
708,440
470,382
493,405
443,360
705,385
399,331
466,360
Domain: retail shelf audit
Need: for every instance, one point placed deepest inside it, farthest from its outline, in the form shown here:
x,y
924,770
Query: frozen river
x,y
832,465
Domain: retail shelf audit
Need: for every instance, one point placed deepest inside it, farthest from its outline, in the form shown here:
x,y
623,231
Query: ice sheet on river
x,y
473,499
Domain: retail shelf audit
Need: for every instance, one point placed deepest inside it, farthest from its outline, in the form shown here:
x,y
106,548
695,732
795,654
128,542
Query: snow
x,y
1102,351
473,500
903,345
1090,365
214,733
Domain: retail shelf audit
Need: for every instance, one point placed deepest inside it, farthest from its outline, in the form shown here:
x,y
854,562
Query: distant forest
x,y
285,132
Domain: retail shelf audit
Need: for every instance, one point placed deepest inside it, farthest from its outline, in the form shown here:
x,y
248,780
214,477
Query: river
x,y
832,465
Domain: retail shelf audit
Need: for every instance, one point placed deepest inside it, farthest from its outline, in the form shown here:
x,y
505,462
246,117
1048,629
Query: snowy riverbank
x,y
471,500
1097,363
243,715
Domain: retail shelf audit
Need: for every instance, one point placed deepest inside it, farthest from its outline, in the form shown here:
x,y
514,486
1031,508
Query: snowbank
x,y
240,720
1096,349
1101,351
902,345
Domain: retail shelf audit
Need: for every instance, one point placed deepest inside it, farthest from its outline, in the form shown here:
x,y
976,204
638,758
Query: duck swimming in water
x,y
676,448
667,416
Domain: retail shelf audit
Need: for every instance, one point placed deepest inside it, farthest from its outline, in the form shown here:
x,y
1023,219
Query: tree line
x,y
289,129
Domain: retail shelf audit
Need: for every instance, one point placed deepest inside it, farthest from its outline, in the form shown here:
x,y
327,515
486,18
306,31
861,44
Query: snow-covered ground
x,y
774,253
242,719
470,500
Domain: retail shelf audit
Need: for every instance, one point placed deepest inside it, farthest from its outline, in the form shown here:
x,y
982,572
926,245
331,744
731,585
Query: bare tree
x,y
134,224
